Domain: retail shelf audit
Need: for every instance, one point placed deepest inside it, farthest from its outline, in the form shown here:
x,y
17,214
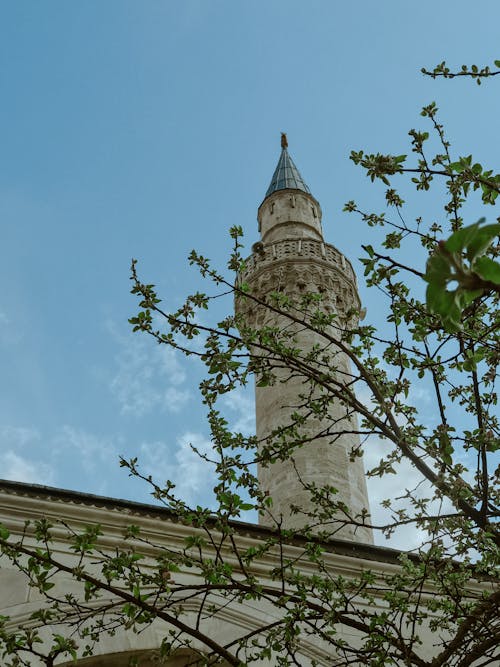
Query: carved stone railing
x,y
296,250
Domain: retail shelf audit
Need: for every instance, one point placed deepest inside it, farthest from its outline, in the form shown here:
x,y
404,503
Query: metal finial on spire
x,y
286,175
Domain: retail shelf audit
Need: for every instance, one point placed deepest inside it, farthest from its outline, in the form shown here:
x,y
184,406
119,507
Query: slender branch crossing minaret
x,y
293,258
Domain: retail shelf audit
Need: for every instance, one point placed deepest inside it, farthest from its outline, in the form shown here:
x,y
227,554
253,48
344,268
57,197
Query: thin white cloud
x,y
22,469
20,456
148,377
168,364
391,486
18,436
175,399
193,476
240,406
93,453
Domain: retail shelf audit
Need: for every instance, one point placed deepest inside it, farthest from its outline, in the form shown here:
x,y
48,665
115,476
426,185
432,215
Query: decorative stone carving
x,y
292,258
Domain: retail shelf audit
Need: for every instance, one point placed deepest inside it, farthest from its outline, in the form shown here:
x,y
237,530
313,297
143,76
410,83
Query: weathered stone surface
x,y
292,258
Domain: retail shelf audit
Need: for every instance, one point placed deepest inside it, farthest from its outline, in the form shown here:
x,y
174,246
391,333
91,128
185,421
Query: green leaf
x,y
438,269
474,239
482,240
487,269
369,250
445,304
4,532
246,506
457,166
469,365
463,237
438,298
446,448
465,296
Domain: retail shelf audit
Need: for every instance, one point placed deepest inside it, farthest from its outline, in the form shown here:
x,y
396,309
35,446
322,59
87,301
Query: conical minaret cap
x,y
286,175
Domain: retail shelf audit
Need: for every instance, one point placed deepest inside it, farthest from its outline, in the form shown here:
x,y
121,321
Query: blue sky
x,y
144,129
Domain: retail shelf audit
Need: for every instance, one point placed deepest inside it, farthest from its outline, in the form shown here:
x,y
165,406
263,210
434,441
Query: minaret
x,y
293,258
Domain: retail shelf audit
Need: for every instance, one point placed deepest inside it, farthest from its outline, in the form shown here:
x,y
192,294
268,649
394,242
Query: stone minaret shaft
x,y
293,258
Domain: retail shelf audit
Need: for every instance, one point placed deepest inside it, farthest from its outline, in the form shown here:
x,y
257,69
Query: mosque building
x,y
291,257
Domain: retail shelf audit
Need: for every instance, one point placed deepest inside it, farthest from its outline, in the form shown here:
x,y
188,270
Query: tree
x,y
450,342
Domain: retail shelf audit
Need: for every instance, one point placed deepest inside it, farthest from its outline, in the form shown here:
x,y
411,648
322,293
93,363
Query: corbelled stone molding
x,y
297,249
297,268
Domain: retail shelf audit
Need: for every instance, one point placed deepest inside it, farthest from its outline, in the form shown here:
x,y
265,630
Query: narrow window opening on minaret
x,y
313,209
292,201
271,207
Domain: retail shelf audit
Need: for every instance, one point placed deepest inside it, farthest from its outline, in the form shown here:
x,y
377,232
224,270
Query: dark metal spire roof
x,y
286,175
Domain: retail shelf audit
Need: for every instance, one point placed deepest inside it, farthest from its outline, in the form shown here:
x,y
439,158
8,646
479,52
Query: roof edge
x,y
334,545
